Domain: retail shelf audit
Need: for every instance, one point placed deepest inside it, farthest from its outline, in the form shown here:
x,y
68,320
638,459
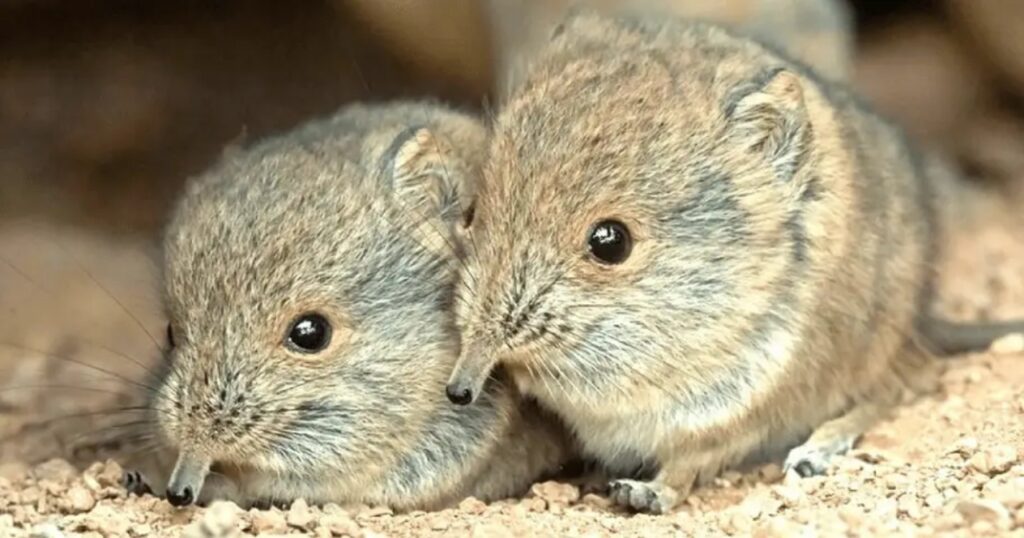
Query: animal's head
x,y
308,284
639,216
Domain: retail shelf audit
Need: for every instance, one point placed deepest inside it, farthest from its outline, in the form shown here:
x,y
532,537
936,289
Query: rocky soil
x,y
79,312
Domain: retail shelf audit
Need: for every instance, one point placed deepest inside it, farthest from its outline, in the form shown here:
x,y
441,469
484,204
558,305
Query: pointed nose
x,y
459,394
469,376
187,478
184,497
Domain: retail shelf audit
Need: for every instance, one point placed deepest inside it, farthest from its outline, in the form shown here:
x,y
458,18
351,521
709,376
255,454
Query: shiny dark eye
x,y
170,337
309,333
609,242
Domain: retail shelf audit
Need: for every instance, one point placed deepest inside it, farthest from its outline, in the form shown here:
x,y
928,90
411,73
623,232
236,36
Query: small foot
x,y
648,497
833,438
135,483
810,459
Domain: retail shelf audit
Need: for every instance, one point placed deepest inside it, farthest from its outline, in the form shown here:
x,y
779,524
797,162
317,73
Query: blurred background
x,y
108,106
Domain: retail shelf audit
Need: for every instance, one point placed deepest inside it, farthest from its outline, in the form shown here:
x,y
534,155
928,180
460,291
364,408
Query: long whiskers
x,y
147,387
138,323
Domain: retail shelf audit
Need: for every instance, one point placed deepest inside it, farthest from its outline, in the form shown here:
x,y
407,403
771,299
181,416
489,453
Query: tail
x,y
945,338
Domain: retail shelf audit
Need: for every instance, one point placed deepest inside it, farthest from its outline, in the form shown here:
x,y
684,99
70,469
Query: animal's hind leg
x,y
834,438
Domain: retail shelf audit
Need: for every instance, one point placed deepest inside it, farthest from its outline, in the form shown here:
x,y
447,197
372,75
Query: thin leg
x,y
659,496
833,438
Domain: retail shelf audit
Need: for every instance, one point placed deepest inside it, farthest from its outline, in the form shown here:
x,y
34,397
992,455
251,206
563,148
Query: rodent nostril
x,y
459,396
184,498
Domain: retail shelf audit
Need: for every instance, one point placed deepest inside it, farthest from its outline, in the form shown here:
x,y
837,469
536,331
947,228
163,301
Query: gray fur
x,y
313,221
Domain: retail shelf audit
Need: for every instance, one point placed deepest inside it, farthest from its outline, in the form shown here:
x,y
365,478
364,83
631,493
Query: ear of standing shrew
x,y
771,119
426,183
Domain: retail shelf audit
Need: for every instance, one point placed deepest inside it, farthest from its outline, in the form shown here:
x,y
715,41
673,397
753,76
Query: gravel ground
x,y
951,463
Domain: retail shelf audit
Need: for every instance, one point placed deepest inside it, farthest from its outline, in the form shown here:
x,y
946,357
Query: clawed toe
x,y
811,460
636,495
135,483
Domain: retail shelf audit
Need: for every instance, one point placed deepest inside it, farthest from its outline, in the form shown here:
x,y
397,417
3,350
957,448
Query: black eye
x,y
609,242
170,337
309,334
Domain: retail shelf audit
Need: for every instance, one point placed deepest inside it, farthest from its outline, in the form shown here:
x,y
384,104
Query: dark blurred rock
x,y
993,145
996,27
107,106
918,74
443,39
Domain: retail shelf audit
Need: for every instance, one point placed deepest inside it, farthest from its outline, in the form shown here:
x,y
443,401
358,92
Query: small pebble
x,y
472,505
46,530
267,521
966,446
982,510
885,509
738,524
771,473
491,530
935,500
299,515
534,504
909,505
556,492
982,528
777,527
333,508
732,478
897,482
56,470
1008,345
439,522
790,496
851,515
340,524
993,461
220,518
756,504
30,495
597,501
91,483
79,500
15,472
1009,492
110,474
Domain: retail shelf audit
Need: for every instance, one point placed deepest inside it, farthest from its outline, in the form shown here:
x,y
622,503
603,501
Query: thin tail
x,y
946,338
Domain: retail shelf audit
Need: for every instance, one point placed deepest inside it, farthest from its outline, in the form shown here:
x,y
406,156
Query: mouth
x,y
467,380
187,478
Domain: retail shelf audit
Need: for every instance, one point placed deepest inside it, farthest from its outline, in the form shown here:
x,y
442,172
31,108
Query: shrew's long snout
x,y
187,479
471,372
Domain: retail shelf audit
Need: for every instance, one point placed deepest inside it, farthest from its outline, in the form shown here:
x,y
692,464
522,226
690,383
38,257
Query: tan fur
x,y
783,239
351,217
817,32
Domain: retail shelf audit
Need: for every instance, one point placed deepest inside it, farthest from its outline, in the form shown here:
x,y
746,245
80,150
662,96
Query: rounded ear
x,y
425,175
769,117
429,181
